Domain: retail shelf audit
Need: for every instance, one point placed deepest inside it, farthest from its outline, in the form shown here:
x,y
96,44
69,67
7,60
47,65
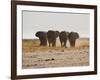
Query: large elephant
x,y
73,36
42,37
51,36
63,36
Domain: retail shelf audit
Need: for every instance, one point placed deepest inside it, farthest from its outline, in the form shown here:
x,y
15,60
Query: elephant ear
x,y
77,35
71,35
37,34
57,33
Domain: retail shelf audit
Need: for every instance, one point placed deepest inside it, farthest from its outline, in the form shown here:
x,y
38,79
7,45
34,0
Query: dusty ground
x,y
35,56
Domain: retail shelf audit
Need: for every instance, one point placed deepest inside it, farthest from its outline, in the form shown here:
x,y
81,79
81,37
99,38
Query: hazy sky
x,y
34,21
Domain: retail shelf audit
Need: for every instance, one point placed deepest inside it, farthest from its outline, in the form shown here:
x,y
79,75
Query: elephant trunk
x,y
72,43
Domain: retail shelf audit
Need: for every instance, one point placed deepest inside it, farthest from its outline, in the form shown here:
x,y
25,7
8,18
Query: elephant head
x,y
73,36
51,36
42,37
63,36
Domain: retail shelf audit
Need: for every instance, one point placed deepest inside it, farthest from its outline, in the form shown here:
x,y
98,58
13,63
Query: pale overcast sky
x,y
34,21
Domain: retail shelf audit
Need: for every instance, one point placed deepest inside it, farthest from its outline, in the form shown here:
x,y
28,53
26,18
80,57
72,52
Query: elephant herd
x,y
52,35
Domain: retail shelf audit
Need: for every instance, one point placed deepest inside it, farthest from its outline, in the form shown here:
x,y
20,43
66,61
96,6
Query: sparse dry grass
x,y
81,43
33,45
35,56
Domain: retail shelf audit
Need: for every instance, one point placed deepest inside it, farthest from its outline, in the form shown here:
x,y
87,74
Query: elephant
x,y
42,37
51,36
63,36
73,36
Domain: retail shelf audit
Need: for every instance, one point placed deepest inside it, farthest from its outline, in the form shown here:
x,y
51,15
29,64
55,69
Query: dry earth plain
x,y
35,56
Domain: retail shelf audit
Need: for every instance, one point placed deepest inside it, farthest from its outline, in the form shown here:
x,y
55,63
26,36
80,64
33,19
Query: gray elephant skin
x,y
42,37
63,37
51,36
73,36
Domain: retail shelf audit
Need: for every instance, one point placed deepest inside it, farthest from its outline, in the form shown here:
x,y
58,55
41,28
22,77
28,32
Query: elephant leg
x,y
54,43
40,42
61,43
65,43
72,43
44,42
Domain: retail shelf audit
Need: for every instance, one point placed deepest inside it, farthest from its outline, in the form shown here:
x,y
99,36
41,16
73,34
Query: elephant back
x,y
64,34
52,34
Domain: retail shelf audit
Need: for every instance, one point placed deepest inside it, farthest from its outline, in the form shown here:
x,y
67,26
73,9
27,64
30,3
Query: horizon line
x,y
38,38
